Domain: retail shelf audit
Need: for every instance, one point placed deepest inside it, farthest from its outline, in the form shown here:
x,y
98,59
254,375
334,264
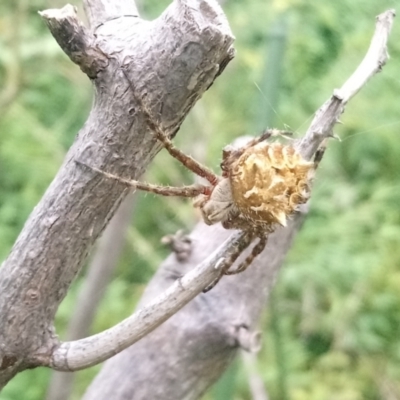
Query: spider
x,y
261,185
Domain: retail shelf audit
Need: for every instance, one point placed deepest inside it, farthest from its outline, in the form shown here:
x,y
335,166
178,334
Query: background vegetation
x,y
332,328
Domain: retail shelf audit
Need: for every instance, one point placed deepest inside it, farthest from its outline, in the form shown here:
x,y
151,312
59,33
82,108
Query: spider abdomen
x,y
269,182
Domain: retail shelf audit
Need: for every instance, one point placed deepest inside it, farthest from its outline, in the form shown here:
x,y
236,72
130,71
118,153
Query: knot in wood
x,y
269,181
7,361
32,296
180,244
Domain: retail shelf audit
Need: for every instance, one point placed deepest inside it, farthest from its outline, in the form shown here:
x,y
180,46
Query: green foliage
x,y
332,332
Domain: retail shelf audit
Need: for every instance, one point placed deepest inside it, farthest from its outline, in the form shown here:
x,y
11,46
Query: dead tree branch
x,y
99,275
197,343
83,353
75,39
172,61
328,115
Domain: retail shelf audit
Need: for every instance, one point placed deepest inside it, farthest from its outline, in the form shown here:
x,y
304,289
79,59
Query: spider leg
x,y
184,191
268,133
244,243
188,161
257,249
230,153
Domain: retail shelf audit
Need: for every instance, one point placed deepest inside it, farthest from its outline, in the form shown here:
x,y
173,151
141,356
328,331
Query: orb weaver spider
x,y
261,185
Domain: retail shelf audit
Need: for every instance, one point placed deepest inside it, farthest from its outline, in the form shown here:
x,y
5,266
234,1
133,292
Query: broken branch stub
x,y
197,340
171,62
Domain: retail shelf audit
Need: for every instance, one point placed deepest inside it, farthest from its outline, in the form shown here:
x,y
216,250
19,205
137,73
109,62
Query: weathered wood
x,y
187,354
171,62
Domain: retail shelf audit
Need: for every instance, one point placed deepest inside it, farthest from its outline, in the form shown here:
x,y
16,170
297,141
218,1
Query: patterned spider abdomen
x,y
269,181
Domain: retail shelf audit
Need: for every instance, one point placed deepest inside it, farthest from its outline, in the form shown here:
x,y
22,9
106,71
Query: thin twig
x,y
79,354
328,115
75,39
92,350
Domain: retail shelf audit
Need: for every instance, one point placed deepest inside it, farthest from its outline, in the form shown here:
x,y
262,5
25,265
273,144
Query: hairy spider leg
x,y
230,151
275,132
268,133
257,249
229,154
184,191
188,161
242,245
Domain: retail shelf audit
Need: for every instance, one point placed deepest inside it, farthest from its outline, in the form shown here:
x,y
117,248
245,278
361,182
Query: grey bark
x,y
182,358
171,62
98,276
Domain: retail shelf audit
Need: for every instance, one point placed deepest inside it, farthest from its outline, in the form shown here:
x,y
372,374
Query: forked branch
x,y
75,39
82,353
47,256
328,115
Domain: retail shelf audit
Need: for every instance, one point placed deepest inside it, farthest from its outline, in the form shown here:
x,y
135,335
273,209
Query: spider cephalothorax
x,y
262,185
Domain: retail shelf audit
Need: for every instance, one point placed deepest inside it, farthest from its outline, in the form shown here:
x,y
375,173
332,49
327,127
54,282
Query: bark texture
x,y
189,352
183,357
170,62
98,276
